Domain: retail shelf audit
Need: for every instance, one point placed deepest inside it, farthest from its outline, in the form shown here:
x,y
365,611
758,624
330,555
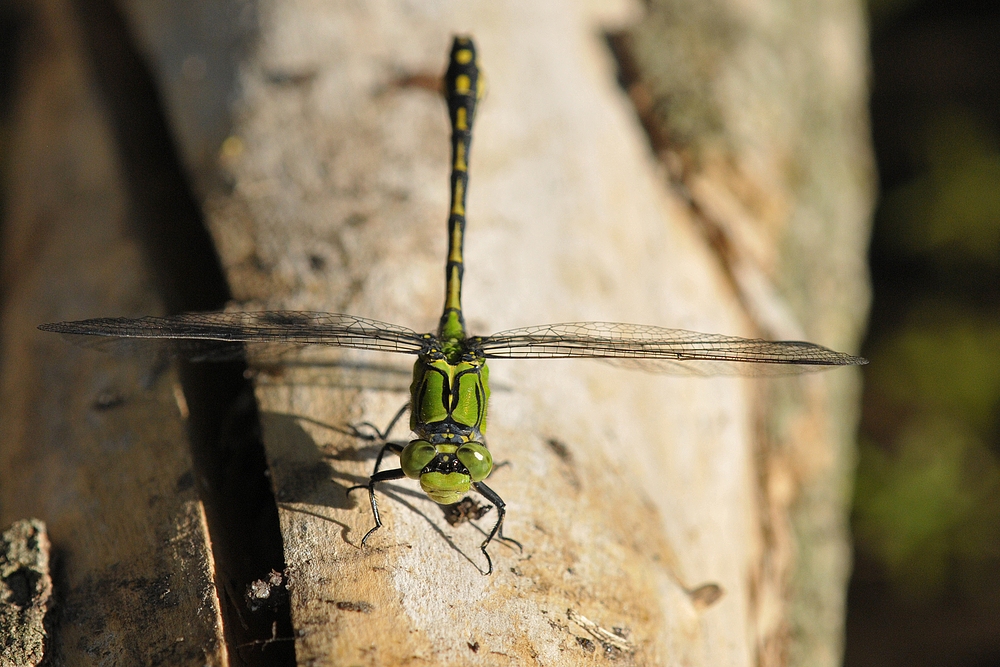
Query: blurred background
x,y
926,520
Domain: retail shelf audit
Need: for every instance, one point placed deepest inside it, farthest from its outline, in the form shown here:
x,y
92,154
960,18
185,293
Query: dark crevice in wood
x,y
13,23
13,28
677,158
228,455
630,80
56,615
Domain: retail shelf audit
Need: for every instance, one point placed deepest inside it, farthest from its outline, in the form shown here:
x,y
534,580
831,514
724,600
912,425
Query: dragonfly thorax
x,y
448,399
448,403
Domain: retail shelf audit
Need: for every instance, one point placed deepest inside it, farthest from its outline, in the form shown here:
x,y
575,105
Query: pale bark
x,y
634,495
761,110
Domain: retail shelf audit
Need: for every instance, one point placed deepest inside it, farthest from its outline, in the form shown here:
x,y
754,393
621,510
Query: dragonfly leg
x,y
384,476
394,447
497,531
379,434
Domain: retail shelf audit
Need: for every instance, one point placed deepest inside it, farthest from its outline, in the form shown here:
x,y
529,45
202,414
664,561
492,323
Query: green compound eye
x,y
477,459
415,457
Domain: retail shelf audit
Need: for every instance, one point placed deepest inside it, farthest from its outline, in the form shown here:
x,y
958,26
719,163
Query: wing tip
x,y
78,327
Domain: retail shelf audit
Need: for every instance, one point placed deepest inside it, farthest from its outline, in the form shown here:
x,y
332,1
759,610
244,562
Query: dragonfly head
x,y
446,471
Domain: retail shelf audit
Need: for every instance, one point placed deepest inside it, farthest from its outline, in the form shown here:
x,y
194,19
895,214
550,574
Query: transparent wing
x,y
222,336
658,349
713,368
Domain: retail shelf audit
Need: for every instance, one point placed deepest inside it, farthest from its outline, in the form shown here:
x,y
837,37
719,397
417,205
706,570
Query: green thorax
x,y
448,399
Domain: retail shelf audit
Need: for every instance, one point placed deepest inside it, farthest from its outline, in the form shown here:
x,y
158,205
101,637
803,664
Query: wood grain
x,y
664,520
761,113
25,592
340,168
93,445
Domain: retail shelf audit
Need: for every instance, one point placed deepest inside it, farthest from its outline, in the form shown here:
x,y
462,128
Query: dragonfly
x,y
449,393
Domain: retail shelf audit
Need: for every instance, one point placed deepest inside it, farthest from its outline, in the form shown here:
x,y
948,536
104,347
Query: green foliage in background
x,y
927,501
927,497
949,213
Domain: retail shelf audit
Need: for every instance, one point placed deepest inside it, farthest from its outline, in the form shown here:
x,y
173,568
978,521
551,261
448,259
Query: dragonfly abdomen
x,y
464,87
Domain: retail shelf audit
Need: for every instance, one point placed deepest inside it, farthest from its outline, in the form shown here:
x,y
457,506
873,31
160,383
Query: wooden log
x,y
567,221
25,593
638,498
93,445
761,114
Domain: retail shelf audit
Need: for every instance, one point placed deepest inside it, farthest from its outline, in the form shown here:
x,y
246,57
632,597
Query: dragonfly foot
x,y
364,539
511,540
355,431
489,561
379,434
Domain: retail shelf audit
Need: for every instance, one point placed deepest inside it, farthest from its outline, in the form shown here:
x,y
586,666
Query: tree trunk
x,y
638,498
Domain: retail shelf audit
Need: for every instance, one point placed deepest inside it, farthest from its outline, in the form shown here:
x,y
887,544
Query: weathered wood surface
x,y
566,221
93,445
761,112
25,592
627,490
340,192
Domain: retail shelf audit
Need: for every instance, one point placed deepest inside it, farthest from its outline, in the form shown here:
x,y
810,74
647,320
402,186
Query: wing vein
x,y
294,328
609,340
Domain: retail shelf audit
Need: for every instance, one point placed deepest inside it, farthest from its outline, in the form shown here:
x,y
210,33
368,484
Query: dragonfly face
x,y
446,471
448,399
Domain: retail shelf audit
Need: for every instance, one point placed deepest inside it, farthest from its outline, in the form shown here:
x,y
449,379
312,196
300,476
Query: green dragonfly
x,y
450,390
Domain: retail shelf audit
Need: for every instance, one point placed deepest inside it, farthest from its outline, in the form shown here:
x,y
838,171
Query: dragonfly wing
x,y
663,350
279,354
160,348
704,368
222,336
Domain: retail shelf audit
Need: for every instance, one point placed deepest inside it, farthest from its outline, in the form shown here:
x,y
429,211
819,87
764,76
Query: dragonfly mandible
x,y
450,391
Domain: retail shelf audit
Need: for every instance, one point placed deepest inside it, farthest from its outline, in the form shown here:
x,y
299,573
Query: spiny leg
x,y
377,476
384,476
379,435
497,531
395,447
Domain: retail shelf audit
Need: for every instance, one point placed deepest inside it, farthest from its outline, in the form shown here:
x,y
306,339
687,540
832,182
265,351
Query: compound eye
x,y
477,459
415,457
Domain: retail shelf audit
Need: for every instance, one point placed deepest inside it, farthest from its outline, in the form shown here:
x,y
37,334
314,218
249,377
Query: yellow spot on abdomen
x,y
462,84
454,300
232,148
456,245
456,206
460,164
463,57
